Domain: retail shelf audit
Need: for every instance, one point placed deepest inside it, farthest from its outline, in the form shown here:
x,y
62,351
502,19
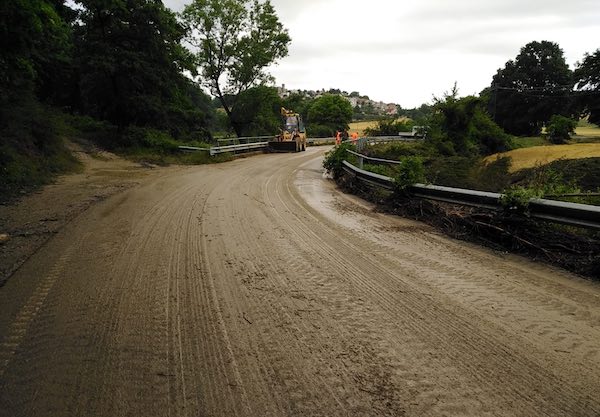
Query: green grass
x,y
527,142
150,156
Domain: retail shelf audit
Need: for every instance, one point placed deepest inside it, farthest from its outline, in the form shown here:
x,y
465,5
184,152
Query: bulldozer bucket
x,y
284,146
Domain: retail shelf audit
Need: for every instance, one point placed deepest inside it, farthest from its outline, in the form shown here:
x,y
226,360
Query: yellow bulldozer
x,y
292,137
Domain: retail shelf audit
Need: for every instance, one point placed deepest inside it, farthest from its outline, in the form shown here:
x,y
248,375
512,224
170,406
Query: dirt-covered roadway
x,y
255,288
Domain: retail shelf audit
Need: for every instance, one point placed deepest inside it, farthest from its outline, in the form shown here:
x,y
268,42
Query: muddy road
x,y
254,288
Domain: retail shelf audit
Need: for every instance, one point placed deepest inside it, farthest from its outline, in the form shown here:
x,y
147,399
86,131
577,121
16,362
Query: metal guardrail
x,y
245,144
573,214
361,159
243,140
193,149
234,148
214,150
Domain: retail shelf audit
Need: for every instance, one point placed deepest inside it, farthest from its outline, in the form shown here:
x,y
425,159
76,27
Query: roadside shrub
x,y
543,182
560,129
517,198
551,182
334,158
463,127
100,132
153,139
409,172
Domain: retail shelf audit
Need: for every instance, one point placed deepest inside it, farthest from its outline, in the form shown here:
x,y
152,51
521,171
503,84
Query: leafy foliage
x,y
33,39
560,128
257,112
517,198
333,112
587,81
410,171
544,181
463,127
130,61
530,89
236,40
335,157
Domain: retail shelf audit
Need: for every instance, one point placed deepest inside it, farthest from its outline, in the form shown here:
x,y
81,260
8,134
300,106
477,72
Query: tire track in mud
x,y
500,293
223,292
21,323
265,370
351,252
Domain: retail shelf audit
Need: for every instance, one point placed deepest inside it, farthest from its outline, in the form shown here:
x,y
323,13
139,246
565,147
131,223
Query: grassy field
x,y
589,131
541,155
533,151
360,127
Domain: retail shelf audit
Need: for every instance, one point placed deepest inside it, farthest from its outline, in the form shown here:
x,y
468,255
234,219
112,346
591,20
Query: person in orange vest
x,y
354,137
338,137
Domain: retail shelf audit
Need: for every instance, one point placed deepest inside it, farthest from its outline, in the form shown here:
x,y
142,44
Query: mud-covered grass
x,y
574,249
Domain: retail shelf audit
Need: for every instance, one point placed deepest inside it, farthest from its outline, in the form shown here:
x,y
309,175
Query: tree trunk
x,y
234,125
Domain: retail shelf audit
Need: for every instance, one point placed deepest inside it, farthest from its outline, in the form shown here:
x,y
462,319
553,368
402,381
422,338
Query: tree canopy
x,y
530,89
329,113
587,82
257,111
462,126
131,62
235,40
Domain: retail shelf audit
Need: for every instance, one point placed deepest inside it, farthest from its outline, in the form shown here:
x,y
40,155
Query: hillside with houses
x,y
364,107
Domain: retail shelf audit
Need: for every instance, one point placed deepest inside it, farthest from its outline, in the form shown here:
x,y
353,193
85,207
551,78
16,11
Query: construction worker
x,y
338,137
354,137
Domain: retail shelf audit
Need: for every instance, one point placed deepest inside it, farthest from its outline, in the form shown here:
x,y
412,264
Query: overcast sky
x,y
407,51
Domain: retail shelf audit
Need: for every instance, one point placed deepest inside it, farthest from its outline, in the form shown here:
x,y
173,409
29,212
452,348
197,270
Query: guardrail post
x,y
360,162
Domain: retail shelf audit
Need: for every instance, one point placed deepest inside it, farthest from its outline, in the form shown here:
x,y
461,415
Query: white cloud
x,y
400,51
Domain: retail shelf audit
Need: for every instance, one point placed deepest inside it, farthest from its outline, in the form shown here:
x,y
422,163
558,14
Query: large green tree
x,y
257,111
587,83
530,89
235,41
329,113
131,62
35,41
462,126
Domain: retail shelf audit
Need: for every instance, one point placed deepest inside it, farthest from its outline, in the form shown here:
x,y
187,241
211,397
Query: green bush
x,y
155,140
410,171
334,158
463,127
102,133
560,129
517,198
541,182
